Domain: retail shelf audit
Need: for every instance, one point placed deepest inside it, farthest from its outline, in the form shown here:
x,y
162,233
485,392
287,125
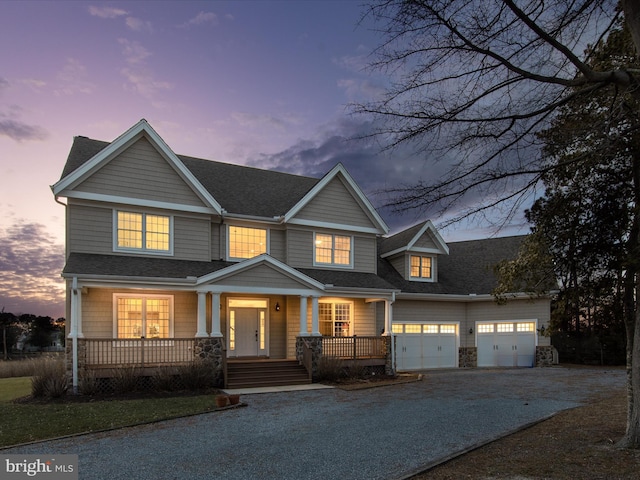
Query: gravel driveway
x,y
380,433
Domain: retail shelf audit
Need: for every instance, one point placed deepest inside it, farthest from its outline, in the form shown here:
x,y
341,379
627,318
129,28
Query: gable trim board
x,y
141,129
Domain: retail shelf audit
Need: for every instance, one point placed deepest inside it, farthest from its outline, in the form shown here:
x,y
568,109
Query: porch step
x,y
265,373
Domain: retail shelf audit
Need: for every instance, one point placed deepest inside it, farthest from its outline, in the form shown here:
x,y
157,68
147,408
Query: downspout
x,y
222,257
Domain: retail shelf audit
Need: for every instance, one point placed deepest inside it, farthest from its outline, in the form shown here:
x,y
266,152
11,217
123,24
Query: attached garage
x,y
506,344
426,345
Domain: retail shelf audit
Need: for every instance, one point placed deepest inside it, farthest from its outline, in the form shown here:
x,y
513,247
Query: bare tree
x,y
476,81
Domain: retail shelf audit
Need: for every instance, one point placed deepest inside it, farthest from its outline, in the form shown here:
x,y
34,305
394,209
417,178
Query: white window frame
x,y
240,259
332,264
144,299
333,315
420,278
143,249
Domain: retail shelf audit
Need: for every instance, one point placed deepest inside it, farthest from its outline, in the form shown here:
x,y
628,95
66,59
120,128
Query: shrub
x,y
197,375
330,369
166,380
357,371
125,380
89,384
50,381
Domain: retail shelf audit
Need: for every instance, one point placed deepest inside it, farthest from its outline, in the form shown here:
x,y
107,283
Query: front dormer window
x,y
245,242
332,250
143,232
421,267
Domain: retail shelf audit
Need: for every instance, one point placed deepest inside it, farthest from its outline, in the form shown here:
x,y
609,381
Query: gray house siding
x,y
335,204
141,172
90,230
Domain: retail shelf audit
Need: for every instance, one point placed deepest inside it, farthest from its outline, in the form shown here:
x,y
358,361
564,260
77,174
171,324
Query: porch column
x,y
215,315
79,313
303,317
73,334
315,329
387,318
202,315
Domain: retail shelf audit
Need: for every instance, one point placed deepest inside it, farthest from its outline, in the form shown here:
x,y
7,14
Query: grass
x,y
574,444
26,367
24,422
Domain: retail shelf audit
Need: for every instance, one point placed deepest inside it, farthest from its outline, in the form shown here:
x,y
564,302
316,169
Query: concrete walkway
x,y
381,433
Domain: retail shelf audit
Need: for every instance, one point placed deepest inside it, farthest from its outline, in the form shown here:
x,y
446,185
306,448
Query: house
x,y
171,258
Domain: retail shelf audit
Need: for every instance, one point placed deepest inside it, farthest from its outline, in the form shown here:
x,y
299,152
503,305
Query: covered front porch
x,y
260,310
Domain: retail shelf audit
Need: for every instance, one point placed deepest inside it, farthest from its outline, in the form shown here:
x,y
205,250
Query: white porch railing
x,y
355,347
138,352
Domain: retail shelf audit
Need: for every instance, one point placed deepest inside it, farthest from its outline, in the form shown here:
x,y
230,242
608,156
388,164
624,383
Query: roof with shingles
x,y
264,193
91,264
400,239
468,269
142,267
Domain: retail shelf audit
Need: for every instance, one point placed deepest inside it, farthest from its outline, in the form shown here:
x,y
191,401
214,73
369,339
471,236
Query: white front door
x,y
247,332
246,324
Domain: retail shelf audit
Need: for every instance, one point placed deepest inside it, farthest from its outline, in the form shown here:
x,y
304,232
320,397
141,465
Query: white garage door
x,y
506,344
426,345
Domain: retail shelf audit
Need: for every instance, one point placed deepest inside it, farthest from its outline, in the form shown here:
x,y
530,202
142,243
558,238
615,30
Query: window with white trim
x,y
421,267
245,242
148,316
143,232
335,319
332,249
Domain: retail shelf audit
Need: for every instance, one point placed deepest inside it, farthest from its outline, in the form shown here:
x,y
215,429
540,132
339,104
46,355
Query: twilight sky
x,y
261,83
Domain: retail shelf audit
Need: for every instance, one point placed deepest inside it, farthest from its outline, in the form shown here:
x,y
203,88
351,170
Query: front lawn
x,y
29,421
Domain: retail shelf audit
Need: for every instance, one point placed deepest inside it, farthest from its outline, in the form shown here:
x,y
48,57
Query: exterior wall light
x,y
277,307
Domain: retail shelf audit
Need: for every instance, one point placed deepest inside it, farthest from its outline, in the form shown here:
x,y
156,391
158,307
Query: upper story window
x,y
332,250
421,267
145,316
143,232
245,242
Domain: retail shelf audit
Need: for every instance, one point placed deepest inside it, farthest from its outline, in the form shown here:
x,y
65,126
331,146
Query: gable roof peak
x,y
141,129
406,240
339,169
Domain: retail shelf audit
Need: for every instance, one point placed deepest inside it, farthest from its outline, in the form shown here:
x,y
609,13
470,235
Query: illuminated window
x,y
332,249
420,267
409,328
447,329
505,327
247,242
232,330
485,328
143,316
143,232
335,319
396,328
431,329
525,327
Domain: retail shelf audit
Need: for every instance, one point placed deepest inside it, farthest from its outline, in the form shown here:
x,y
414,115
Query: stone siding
x,y
546,356
468,357
211,349
316,352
